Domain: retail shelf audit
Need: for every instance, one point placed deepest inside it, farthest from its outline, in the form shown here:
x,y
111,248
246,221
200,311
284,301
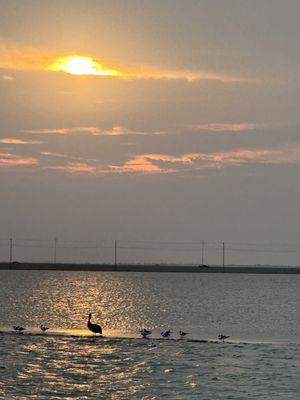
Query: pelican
x,y
19,328
223,337
94,327
182,334
43,328
145,333
166,333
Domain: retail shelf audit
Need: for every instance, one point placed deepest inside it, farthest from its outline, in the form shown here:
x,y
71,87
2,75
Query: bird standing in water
x,y
145,333
19,328
94,327
182,334
223,337
43,328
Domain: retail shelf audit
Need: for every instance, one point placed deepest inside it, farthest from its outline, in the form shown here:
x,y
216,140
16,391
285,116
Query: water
x,y
260,313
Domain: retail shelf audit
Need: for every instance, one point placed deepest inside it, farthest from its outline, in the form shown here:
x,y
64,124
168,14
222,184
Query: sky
x,y
151,121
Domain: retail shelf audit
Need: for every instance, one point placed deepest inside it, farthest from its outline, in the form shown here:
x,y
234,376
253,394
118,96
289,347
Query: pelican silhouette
x,y
94,327
43,328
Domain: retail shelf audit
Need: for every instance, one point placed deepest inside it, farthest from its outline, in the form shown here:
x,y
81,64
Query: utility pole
x,y
202,252
223,255
10,250
55,250
116,252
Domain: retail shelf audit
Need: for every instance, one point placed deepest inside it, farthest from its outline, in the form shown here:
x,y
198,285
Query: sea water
x,y
260,313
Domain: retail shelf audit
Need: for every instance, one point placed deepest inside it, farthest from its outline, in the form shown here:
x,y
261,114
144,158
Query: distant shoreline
x,y
246,269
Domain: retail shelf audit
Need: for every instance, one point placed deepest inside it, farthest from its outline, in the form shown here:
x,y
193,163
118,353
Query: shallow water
x,y
260,313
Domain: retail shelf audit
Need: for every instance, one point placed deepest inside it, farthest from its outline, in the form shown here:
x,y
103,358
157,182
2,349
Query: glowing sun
x,y
79,65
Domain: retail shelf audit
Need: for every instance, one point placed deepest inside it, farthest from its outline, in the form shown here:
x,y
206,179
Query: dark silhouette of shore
x,y
245,269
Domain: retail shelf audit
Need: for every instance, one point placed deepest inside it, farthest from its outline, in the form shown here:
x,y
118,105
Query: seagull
x,y
43,328
94,327
19,328
223,337
182,334
166,333
145,333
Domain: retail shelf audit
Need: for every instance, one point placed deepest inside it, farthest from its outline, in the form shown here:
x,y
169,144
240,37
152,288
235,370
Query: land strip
x,y
246,269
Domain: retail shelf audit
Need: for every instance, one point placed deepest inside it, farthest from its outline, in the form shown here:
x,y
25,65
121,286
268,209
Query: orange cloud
x,y
13,57
11,160
93,131
235,157
65,131
164,163
76,168
160,163
24,58
184,159
139,164
19,141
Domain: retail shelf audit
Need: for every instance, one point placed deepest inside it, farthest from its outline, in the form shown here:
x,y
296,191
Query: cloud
x,y
218,159
164,163
93,131
19,141
139,164
121,131
156,163
75,168
11,160
287,154
8,78
124,131
187,75
64,131
234,127
67,156
13,57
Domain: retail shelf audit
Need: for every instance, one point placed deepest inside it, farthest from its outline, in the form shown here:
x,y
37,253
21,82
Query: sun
x,y
80,65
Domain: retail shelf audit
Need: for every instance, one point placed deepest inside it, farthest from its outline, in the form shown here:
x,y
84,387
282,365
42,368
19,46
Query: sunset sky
x,y
154,120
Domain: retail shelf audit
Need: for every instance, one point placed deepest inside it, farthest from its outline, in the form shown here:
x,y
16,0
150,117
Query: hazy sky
x,y
196,138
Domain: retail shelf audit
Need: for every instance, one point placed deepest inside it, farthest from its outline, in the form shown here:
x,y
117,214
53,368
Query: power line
x,y
215,250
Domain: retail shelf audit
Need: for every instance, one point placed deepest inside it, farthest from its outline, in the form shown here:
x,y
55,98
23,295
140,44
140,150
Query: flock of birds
x,y
166,334
95,328
21,329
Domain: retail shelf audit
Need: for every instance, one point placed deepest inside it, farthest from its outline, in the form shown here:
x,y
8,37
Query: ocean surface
x,y
260,313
